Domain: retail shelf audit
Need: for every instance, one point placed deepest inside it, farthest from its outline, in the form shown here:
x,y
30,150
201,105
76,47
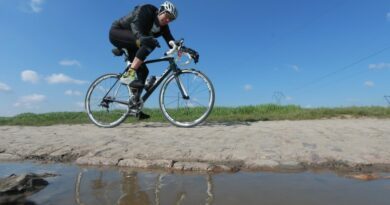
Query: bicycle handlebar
x,y
173,49
178,46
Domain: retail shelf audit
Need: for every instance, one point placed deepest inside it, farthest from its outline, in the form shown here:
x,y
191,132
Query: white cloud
x,y
36,5
30,76
295,68
70,63
379,66
73,92
29,100
4,87
62,78
369,83
248,87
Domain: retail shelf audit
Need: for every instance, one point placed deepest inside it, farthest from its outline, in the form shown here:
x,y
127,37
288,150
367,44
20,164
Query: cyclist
x,y
137,32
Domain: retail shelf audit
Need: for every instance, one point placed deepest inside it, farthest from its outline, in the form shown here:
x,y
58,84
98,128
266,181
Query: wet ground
x,y
112,185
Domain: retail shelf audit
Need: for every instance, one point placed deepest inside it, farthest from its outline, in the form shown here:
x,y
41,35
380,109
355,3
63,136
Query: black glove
x,y
194,55
149,42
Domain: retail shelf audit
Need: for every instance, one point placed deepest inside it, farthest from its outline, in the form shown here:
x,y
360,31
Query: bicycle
x,y
186,96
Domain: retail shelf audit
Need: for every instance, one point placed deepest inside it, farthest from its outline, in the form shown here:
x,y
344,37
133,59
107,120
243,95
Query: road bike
x,y
186,96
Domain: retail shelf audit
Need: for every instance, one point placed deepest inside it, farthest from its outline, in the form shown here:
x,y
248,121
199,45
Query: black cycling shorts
x,y
123,38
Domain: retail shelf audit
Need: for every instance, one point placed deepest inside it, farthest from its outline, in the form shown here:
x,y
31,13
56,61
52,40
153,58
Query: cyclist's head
x,y
169,10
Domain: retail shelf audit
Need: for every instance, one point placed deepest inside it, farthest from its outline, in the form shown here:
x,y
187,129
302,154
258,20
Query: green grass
x,y
219,114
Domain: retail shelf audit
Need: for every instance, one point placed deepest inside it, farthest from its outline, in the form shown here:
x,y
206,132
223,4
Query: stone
x,y
97,161
14,189
9,157
146,164
191,166
24,182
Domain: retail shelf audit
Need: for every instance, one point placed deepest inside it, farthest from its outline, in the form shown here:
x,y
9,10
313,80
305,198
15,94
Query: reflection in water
x,y
210,195
91,186
77,188
180,198
158,188
99,187
132,191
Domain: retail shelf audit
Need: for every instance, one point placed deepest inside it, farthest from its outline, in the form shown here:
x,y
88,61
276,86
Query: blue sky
x,y
311,53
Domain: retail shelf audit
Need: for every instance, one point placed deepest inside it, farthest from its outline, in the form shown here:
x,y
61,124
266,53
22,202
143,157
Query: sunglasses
x,y
170,16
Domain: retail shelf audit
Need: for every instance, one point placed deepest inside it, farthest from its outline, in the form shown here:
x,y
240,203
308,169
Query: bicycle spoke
x,y
198,103
187,112
104,109
171,102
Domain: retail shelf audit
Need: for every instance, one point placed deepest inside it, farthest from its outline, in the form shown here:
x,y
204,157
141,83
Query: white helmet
x,y
167,6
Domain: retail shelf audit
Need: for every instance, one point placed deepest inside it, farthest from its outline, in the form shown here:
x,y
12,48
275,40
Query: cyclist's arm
x,y
166,33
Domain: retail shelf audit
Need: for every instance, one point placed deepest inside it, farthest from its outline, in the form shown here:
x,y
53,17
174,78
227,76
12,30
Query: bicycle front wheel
x,y
188,111
107,100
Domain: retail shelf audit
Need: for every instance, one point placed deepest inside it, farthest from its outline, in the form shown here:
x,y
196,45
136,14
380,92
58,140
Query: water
x,y
109,185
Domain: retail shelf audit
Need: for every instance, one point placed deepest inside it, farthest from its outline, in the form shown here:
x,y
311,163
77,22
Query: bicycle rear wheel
x,y
107,100
194,110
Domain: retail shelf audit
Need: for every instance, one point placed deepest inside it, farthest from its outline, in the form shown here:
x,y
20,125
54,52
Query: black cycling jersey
x,y
143,22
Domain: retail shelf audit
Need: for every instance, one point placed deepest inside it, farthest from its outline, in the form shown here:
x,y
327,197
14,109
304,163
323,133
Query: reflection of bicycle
x,y
186,96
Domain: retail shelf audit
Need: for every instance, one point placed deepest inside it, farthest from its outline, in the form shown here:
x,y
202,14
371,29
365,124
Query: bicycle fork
x,y
182,88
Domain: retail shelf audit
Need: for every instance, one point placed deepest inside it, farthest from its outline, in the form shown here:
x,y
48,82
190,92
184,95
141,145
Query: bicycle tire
x,y
187,112
114,113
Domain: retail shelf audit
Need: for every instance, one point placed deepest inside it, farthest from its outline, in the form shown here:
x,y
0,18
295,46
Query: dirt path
x,y
358,144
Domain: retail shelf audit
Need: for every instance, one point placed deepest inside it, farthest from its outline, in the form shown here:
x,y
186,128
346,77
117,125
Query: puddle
x,y
110,185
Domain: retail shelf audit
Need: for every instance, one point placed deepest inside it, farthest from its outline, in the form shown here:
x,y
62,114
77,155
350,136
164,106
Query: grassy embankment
x,y
220,114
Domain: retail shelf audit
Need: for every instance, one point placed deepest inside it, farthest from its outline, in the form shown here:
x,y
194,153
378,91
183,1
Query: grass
x,y
265,112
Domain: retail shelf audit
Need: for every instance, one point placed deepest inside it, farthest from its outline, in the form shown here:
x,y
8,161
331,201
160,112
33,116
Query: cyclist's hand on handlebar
x,y
149,41
194,54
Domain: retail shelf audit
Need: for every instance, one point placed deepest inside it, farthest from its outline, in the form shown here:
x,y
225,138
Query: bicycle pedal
x,y
134,112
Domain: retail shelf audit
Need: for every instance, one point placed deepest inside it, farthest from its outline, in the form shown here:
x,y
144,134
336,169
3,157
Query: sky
x,y
311,53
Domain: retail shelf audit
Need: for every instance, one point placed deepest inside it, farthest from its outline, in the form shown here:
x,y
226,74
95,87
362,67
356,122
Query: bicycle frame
x,y
171,69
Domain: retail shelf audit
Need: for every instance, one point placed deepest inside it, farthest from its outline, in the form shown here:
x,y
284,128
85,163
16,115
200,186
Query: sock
x,y
127,73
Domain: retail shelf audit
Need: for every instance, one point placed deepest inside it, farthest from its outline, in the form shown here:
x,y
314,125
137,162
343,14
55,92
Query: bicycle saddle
x,y
117,52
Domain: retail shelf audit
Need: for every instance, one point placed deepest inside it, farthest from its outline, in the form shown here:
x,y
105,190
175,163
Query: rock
x,y
222,168
9,157
14,189
146,164
191,166
26,182
367,176
364,177
92,160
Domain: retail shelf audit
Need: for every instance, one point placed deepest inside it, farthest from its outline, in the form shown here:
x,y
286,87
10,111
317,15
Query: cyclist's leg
x,y
125,39
122,38
143,73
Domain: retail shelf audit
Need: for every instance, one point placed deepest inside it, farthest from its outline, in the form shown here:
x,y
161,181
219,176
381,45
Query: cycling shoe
x,y
143,116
